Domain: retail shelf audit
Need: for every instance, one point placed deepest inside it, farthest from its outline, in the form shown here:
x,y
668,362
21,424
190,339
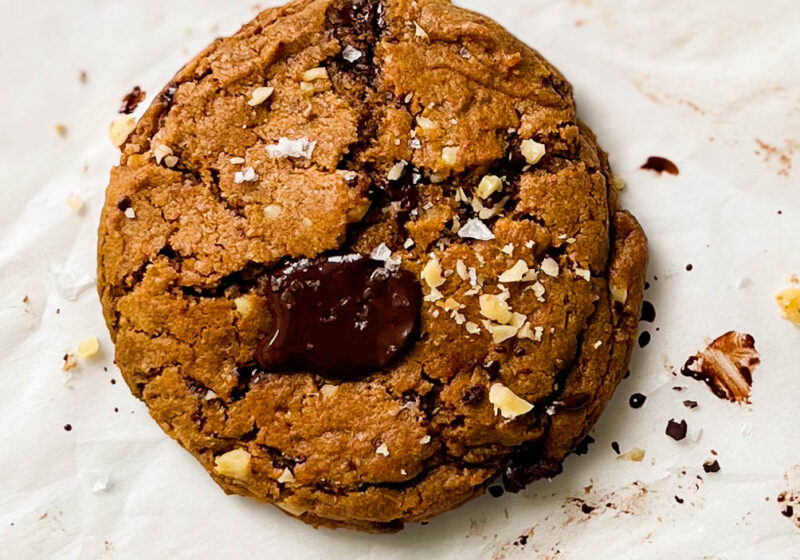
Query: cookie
x,y
361,259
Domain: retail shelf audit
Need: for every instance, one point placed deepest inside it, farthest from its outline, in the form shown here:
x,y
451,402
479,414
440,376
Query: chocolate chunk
x,y
587,509
648,312
726,366
339,316
660,165
68,427
637,400
788,511
496,491
689,267
644,339
679,499
690,404
615,447
676,430
132,100
492,367
711,466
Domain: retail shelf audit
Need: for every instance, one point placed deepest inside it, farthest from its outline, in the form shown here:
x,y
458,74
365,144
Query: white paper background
x,y
697,82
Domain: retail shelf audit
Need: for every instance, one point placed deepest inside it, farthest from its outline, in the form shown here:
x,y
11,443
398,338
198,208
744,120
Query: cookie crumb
x,y
60,129
70,362
131,100
635,454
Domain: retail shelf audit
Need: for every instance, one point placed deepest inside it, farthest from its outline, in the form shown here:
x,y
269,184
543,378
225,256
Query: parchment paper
x,y
712,85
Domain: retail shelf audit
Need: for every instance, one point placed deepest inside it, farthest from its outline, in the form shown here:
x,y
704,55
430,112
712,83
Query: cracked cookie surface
x,y
336,126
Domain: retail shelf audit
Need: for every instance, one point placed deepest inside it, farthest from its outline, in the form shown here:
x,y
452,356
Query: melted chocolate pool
x,y
339,316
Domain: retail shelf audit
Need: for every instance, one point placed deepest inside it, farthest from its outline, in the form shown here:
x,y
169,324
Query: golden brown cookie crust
x,y
184,241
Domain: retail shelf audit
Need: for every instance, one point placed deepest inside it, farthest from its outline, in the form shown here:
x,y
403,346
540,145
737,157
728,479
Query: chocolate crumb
x,y
690,404
648,312
678,388
68,427
132,100
116,409
660,165
587,509
679,499
522,540
637,400
25,299
644,339
615,447
474,395
711,466
496,491
676,430
83,76
689,267
113,381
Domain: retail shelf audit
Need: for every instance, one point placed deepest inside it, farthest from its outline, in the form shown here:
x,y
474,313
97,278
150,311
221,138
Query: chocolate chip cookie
x,y
361,259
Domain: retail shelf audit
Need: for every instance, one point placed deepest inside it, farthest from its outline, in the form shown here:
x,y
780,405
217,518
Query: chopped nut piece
x,y
75,203
286,476
237,160
272,211
789,300
171,161
397,170
529,244
285,148
235,464
432,274
319,73
130,213
244,305
550,267
383,449
507,249
450,155
292,508
517,319
248,175
435,295
419,32
89,348
425,440
583,273
488,185
494,308
475,229
516,273
618,293
120,130
328,390
500,333
634,454
472,328
351,54
525,331
533,151
538,289
425,123
617,182
357,213
161,151
408,243
461,270
506,402
259,95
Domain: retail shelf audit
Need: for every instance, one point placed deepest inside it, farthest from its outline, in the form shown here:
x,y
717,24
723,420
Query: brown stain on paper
x,y
789,499
726,366
781,156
